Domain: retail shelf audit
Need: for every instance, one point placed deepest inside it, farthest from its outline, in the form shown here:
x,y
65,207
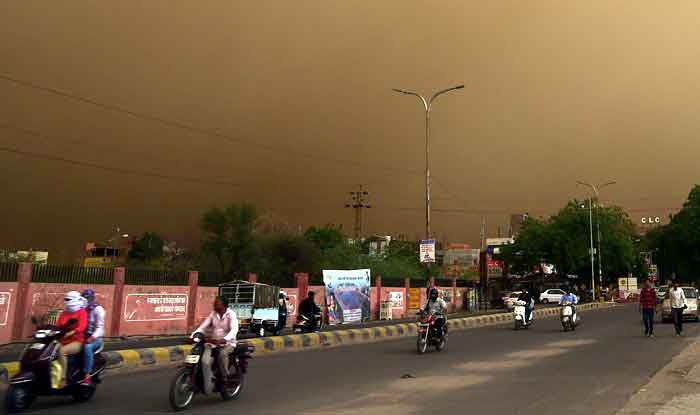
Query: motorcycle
x,y
569,319
189,379
519,316
40,373
306,325
427,333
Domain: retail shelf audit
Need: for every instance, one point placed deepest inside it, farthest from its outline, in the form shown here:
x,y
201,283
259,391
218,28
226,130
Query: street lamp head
x,y
125,235
459,87
400,91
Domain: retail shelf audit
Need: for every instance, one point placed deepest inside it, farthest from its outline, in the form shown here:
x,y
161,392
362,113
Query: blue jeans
x,y
89,355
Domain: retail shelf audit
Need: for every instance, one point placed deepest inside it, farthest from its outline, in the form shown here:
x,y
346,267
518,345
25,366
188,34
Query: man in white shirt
x,y
222,328
678,304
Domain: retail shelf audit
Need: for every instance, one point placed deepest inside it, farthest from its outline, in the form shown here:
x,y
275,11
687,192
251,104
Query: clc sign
x,y
651,220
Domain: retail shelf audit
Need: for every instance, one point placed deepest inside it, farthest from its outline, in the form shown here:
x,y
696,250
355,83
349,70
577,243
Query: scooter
x,y
306,325
189,379
427,333
40,373
519,314
569,319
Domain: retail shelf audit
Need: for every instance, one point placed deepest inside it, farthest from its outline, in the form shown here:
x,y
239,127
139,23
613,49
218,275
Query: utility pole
x,y
358,202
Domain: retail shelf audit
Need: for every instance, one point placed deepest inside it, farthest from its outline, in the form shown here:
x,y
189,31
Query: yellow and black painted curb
x,y
156,356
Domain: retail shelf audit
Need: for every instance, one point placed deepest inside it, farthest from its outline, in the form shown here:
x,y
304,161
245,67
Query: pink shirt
x,y
220,327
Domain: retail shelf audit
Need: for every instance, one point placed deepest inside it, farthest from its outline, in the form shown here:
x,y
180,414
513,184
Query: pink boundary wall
x,y
159,310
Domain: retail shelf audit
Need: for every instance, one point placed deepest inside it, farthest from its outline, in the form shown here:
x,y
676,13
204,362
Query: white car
x,y
552,295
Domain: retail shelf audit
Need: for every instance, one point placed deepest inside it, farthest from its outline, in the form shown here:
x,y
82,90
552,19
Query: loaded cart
x,y
256,305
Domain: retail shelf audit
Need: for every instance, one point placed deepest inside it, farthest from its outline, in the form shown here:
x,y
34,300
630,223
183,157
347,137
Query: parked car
x,y
661,293
692,313
509,299
553,295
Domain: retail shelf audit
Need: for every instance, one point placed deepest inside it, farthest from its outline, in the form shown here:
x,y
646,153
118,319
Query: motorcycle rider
x,y
308,308
222,328
529,304
93,334
281,313
73,339
438,307
570,298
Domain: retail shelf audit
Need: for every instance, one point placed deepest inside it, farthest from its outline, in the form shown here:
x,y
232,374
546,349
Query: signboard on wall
x,y
155,307
5,298
396,299
414,298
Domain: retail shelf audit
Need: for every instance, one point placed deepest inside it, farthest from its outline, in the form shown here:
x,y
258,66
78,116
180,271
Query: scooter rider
x,y
93,334
281,313
309,309
436,306
570,298
222,327
529,304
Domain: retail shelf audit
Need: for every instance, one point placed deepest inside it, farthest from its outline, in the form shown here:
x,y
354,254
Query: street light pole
x,y
428,105
590,221
596,192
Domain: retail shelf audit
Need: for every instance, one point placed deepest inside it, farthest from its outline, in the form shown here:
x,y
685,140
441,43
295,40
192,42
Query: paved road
x,y
10,352
492,370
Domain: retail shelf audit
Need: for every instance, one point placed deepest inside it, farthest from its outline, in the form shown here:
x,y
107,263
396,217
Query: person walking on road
x,y
678,304
647,305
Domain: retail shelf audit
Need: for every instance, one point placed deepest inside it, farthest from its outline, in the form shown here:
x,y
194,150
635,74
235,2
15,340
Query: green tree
x,y
676,245
228,237
148,248
324,238
564,240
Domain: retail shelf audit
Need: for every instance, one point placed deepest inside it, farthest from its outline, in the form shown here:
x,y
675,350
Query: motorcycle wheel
x,y
442,345
422,346
82,393
233,392
17,399
181,395
518,325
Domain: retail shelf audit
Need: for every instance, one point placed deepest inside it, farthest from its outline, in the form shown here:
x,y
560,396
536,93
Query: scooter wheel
x,y
83,393
17,399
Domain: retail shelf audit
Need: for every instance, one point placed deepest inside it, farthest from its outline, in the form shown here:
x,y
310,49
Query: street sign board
x,y
427,250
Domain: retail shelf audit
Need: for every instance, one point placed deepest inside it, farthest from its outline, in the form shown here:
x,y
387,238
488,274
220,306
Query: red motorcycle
x,y
428,333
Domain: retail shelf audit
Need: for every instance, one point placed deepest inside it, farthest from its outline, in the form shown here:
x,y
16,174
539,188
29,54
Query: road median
x,y
131,359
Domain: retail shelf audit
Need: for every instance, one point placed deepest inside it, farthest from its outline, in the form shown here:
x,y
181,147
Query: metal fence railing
x,y
8,271
71,274
212,278
145,276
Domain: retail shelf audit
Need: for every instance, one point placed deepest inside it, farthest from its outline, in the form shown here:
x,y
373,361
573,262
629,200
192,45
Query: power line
x,y
120,170
194,129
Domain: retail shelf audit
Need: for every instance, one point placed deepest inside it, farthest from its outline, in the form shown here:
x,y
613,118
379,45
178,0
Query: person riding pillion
x,y
438,307
529,304
93,334
222,328
571,299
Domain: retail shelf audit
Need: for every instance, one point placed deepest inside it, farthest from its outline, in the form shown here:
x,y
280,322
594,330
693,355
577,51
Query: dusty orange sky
x,y
289,105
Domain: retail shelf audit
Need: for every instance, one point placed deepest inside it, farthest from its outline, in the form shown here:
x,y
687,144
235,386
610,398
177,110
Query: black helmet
x,y
433,294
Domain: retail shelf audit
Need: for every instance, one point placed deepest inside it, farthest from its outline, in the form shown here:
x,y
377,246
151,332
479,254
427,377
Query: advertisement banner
x,y
155,307
347,295
427,250
414,298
